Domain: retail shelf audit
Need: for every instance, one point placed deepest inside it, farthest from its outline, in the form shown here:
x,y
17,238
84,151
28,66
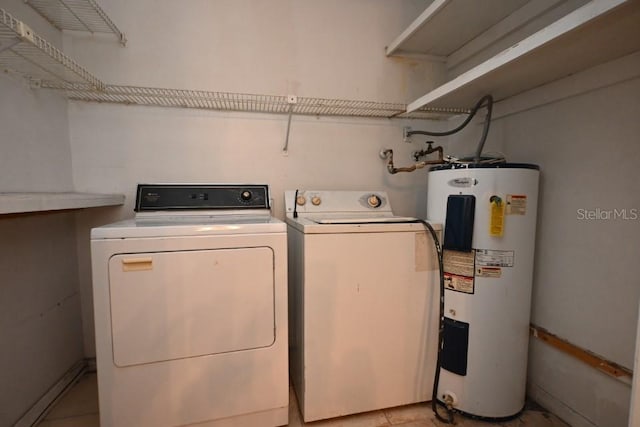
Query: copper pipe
x,y
427,151
388,154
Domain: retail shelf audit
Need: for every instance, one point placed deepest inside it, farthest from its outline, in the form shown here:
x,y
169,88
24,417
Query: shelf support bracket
x,y
291,100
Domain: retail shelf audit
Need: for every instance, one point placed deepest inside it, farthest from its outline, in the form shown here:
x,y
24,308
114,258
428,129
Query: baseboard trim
x,y
40,409
91,364
588,357
557,407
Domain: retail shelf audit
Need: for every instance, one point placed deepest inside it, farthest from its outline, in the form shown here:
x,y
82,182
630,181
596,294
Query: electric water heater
x,y
489,217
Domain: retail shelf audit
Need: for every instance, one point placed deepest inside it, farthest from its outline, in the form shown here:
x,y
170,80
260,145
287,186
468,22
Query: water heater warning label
x,y
494,272
457,262
516,204
494,258
458,283
458,270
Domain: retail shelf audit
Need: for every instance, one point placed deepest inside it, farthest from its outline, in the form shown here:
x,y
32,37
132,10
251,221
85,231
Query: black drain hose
x,y
434,396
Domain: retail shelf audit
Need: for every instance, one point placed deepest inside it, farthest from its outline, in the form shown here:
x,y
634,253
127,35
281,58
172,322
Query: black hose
x,y
489,100
436,381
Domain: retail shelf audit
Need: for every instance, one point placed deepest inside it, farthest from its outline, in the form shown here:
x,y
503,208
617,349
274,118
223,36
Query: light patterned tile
x,y
528,419
79,408
81,399
458,420
419,423
405,414
295,418
461,421
368,419
92,420
535,419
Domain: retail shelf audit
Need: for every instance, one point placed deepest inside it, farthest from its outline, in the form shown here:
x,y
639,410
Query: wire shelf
x,y
226,101
77,15
23,51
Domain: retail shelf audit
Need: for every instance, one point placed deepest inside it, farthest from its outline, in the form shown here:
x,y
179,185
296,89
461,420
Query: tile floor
x,y
79,408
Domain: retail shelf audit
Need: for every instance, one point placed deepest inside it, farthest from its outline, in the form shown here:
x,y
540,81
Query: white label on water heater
x,y
458,283
458,270
494,258
494,272
457,262
516,204
463,182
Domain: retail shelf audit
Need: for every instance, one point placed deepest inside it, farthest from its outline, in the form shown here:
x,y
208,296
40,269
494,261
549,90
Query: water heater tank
x,y
489,212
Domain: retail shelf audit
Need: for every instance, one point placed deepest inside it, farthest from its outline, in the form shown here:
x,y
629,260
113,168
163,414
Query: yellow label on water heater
x,y
496,227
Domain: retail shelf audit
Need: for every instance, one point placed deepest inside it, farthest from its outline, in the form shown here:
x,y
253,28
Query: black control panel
x,y
458,227
455,347
167,197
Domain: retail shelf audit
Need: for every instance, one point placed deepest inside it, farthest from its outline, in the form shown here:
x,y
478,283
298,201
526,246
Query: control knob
x,y
246,195
374,201
315,200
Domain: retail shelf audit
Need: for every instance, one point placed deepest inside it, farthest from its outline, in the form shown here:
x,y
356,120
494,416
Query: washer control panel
x,y
167,197
317,202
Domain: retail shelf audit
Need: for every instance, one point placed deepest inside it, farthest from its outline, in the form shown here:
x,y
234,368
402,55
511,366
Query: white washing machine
x,y
364,299
190,302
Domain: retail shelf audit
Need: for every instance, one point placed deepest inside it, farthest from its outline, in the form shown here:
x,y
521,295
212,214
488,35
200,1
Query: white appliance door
x,y
174,305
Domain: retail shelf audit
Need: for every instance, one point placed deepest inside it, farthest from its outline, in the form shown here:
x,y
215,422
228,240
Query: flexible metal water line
x,y
477,158
488,99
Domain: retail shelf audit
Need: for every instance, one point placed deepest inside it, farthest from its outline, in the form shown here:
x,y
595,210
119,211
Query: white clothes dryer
x,y
190,305
364,300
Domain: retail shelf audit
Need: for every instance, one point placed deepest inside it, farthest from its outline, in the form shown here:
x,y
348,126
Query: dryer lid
x,y
190,226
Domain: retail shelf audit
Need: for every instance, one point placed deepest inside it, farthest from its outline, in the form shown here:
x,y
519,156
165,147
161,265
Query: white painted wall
x,y
585,285
116,147
328,49
40,317
634,411
586,276
583,132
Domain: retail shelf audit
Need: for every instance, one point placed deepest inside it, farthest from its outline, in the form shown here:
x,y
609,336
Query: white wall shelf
x,y
225,101
446,25
13,203
77,15
23,51
600,31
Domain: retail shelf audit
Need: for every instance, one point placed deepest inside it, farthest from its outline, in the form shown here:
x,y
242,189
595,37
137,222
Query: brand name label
x,y
462,182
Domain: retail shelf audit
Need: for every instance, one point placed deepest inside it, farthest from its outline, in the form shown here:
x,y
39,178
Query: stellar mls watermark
x,y
599,214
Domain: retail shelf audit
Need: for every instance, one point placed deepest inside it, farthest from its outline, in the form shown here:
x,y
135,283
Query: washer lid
x,y
190,226
337,225
363,220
